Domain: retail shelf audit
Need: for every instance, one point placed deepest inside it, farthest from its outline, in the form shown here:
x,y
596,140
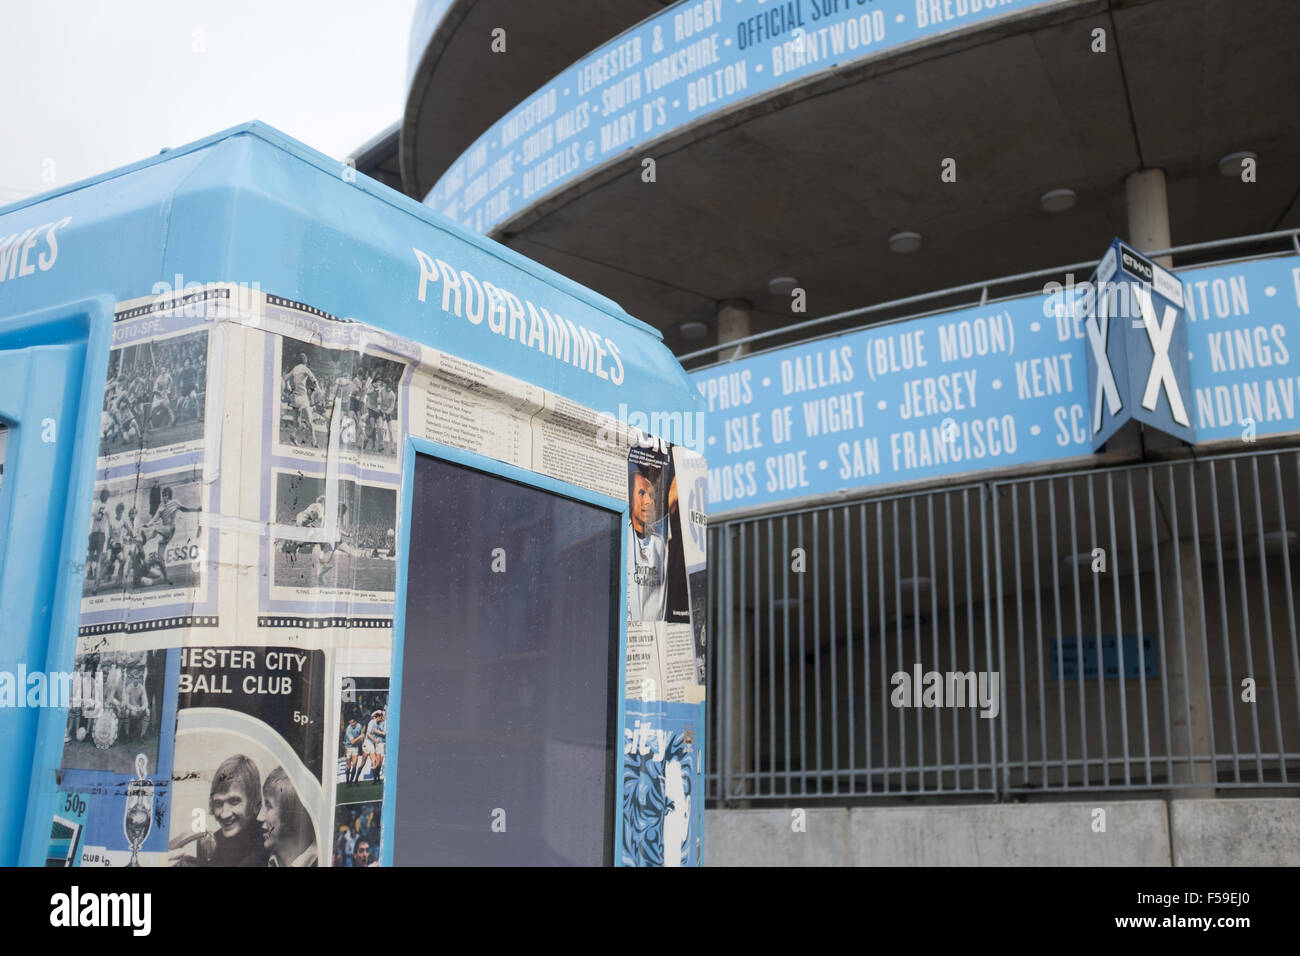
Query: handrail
x,y
984,286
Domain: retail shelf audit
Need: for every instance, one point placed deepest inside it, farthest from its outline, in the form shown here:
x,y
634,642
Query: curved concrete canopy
x,y
812,182
459,87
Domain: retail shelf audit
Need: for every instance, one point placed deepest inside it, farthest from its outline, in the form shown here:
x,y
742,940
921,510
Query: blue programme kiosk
x,y
334,534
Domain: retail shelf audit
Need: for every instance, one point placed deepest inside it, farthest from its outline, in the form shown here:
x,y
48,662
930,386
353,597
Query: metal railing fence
x,y
1134,628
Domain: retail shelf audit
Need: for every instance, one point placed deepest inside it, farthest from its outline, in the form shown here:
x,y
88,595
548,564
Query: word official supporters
x,y
475,300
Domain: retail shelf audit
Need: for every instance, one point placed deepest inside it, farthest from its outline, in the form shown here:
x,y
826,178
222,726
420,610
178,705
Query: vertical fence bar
x,y
817,640
916,628
866,641
952,638
803,659
744,660
884,639
1055,557
730,657
785,649
1078,640
1003,756
934,641
1205,634
1165,716
988,631
1101,669
898,617
1182,617
1020,635
756,663
1119,628
1245,615
713,584
1038,631
1223,614
1141,635
855,712
1288,588
970,632
771,660
1268,618
833,605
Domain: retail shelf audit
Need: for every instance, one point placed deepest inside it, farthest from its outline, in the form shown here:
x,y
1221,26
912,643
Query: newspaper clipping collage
x,y
235,648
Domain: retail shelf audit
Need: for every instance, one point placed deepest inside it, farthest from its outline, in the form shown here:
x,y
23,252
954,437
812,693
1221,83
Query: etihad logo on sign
x,y
1135,265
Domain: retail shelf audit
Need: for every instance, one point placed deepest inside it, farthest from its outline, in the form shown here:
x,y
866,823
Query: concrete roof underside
x,y
811,183
461,87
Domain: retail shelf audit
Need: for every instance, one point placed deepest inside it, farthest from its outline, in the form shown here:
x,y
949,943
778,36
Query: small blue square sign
x,y
1135,347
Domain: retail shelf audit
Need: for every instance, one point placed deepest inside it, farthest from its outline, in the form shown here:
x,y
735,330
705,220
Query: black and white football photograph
x,y
361,550
116,710
145,534
156,394
317,383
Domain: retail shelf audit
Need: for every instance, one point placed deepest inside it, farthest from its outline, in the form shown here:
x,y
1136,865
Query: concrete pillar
x,y
1189,712
733,323
1148,229
1148,212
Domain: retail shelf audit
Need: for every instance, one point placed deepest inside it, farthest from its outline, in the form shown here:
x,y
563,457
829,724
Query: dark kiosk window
x,y
507,749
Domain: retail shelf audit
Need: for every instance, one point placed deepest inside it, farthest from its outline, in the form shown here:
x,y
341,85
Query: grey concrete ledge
x,y
1057,834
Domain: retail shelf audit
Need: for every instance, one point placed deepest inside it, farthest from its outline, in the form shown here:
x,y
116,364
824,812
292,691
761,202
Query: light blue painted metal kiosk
x,y
334,534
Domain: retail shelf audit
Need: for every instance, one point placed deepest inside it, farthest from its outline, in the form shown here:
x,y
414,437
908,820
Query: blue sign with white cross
x,y
1137,361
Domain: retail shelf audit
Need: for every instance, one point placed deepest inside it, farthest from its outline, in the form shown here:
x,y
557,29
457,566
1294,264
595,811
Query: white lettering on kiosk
x,y
466,297
16,251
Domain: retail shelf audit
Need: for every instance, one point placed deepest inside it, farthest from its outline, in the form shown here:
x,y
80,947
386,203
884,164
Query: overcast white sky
x,y
88,86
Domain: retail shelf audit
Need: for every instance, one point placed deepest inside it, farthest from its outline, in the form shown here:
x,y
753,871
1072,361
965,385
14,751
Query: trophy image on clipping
x,y
139,809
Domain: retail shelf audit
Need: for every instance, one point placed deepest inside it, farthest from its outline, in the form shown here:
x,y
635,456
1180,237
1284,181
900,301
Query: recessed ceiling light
x,y
782,285
693,330
905,242
1230,165
1058,200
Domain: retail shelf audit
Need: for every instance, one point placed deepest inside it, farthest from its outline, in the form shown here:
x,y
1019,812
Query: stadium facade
x,y
979,569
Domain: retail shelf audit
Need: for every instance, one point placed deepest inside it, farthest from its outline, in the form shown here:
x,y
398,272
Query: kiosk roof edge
x,y
307,154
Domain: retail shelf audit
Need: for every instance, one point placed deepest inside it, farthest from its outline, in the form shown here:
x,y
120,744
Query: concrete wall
x,y
1247,832
1236,832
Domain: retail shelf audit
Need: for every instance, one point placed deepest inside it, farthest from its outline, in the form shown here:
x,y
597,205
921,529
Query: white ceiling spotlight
x,y
693,330
1230,165
1058,200
905,242
782,285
